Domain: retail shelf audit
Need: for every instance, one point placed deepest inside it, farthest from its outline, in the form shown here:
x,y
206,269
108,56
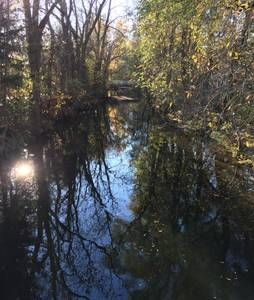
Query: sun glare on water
x,y
23,170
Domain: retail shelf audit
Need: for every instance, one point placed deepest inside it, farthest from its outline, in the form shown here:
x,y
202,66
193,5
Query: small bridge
x,y
122,90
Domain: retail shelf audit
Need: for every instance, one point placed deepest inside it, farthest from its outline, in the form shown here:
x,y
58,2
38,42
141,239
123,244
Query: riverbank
x,y
240,145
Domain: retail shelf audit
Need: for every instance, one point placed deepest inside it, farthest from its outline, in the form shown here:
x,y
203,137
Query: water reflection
x,y
125,208
23,170
193,232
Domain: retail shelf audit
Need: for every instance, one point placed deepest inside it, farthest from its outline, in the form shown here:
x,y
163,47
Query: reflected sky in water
x,y
116,205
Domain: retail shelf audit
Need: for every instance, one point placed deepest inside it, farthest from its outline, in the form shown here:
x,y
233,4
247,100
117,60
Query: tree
x,y
181,46
10,50
35,25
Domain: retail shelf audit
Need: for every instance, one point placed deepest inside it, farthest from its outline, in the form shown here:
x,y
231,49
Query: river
x,y
117,204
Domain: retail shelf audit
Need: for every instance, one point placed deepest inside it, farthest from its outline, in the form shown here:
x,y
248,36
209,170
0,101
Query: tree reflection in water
x,y
192,237
183,230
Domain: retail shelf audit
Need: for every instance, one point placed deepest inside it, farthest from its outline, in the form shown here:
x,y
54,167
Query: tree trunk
x,y
34,52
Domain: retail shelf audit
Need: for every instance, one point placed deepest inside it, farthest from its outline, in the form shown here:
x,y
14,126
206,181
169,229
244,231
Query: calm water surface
x,y
116,205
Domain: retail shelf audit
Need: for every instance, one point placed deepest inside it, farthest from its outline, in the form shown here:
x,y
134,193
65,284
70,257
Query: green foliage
x,y
196,52
196,59
75,88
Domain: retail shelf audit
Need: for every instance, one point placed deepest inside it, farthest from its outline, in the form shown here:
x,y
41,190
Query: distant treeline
x,y
57,49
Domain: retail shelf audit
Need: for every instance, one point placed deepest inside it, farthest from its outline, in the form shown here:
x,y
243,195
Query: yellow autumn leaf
x,y
236,55
233,55
194,58
188,94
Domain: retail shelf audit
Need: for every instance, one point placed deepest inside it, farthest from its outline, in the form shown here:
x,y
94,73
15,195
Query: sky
x,y
120,7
